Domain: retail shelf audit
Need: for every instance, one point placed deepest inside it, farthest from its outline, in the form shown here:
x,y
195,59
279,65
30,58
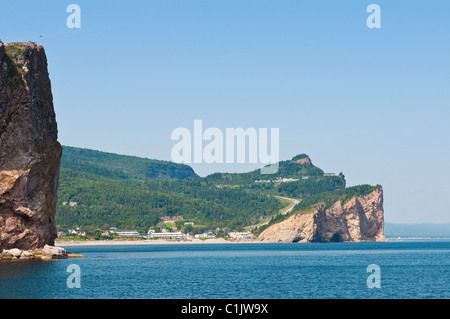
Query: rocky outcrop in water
x,y
15,254
29,151
359,219
46,253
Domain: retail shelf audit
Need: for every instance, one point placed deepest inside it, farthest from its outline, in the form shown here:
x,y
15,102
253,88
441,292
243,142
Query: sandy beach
x,y
151,242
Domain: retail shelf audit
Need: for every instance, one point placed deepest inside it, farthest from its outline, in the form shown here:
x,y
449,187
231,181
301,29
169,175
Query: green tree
x,y
98,234
188,228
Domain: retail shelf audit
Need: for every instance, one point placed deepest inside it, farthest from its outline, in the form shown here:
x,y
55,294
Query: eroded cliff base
x,y
359,219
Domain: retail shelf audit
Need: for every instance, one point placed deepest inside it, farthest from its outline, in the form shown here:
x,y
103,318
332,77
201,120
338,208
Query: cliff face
x,y
359,219
29,151
304,160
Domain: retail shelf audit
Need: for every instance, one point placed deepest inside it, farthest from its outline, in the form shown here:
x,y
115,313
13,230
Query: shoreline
x,y
196,241
151,242
143,242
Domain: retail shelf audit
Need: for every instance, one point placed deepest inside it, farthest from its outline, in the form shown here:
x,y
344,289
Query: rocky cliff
x,y
359,219
29,151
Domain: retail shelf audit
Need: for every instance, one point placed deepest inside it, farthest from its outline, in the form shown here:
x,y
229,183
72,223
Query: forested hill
x,y
297,178
294,168
121,166
102,190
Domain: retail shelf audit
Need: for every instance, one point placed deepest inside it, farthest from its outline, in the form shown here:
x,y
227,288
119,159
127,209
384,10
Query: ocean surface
x,y
407,269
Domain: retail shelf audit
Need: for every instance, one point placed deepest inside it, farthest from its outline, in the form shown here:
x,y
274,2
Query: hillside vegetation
x,y
110,190
121,166
130,192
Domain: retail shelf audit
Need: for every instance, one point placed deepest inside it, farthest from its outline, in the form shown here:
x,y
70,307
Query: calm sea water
x,y
409,269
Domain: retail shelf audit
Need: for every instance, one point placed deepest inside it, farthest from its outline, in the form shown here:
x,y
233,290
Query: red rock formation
x,y
29,151
304,160
359,219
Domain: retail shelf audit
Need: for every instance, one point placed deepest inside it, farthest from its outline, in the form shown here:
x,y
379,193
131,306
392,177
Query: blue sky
x,y
372,103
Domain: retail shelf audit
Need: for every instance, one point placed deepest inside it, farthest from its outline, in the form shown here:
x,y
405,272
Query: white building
x,y
278,180
175,235
238,235
286,180
205,235
77,231
124,232
71,204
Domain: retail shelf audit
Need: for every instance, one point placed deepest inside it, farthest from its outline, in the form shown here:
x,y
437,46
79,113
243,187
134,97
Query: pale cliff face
x,y
29,150
360,219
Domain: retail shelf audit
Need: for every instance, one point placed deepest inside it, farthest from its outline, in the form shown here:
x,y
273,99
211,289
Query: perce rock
x,y
359,219
29,151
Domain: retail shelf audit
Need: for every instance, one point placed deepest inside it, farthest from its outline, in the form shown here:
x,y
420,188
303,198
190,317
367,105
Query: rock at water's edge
x,y
51,252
